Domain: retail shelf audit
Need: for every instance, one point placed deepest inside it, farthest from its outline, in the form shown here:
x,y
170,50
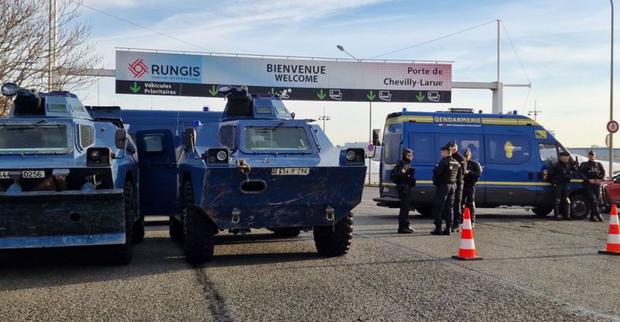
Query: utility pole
x,y
52,43
611,93
498,50
324,118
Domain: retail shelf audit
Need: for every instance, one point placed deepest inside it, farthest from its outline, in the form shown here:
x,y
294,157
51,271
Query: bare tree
x,y
25,50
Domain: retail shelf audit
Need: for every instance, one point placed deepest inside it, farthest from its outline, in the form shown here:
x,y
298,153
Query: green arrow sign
x,y
213,90
371,96
134,88
321,94
420,97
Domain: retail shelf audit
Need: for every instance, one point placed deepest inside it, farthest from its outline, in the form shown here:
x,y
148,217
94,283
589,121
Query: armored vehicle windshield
x,y
38,138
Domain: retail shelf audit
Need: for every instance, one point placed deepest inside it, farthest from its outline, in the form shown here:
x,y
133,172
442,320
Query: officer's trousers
x,y
469,200
404,195
593,192
458,204
443,204
561,202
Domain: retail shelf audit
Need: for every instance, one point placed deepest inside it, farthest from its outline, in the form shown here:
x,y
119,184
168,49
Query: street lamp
x,y
341,48
324,118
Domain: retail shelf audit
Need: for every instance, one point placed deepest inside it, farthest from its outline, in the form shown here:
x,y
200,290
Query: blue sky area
x,y
563,45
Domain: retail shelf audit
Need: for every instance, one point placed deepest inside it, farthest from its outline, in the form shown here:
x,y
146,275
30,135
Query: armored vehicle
x,y
261,168
68,175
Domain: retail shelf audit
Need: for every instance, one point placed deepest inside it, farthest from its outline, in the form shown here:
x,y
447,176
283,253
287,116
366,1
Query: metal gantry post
x,y
611,93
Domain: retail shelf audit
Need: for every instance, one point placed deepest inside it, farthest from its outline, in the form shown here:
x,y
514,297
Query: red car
x,y
611,192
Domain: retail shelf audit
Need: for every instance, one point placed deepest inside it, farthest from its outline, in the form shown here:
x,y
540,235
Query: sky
x,y
561,46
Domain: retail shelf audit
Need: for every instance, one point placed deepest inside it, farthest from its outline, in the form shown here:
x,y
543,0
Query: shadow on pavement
x,y
230,260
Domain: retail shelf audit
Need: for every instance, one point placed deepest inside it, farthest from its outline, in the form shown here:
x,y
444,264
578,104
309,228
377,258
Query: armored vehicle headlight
x,y
221,156
351,155
98,157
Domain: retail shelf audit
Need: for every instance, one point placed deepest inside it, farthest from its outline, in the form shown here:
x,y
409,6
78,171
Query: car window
x,y
228,136
391,147
86,135
548,152
259,139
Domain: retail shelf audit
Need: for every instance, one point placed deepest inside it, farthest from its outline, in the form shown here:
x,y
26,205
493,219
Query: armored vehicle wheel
x,y
579,206
176,229
199,237
334,240
286,232
542,211
123,253
199,231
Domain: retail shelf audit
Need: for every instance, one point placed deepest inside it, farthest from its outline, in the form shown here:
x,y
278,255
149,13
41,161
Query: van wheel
x,y
175,229
542,211
287,232
122,254
334,240
425,211
580,208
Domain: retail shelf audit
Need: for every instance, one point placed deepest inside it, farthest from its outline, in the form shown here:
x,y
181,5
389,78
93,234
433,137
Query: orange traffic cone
x,y
613,236
467,250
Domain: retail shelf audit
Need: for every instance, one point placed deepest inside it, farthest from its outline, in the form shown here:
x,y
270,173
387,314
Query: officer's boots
x,y
556,210
447,230
437,230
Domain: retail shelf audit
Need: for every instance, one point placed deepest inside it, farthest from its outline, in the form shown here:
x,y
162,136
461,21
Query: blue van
x,y
514,151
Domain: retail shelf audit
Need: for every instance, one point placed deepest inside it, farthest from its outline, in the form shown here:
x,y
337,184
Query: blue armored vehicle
x,y
68,175
261,168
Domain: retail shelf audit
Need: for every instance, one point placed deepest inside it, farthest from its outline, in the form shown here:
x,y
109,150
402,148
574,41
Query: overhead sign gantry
x,y
295,78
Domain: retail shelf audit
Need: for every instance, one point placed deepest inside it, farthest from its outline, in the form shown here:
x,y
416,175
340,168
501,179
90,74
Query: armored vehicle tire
x,y
199,237
286,232
175,229
335,240
199,231
138,230
542,211
122,254
579,205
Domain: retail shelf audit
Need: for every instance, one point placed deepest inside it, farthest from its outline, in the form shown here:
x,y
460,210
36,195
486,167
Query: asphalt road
x,y
533,269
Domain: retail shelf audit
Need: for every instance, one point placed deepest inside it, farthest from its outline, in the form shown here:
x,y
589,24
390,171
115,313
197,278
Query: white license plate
x,y
26,174
290,171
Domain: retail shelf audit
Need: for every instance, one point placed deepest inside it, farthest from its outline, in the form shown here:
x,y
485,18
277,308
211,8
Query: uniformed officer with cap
x,y
403,175
444,179
560,176
592,173
460,181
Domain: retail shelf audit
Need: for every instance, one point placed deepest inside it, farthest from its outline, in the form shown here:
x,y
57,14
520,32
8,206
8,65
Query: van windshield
x,y
33,138
269,139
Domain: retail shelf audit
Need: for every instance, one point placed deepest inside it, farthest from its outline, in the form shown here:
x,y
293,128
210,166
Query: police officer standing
x,y
592,173
472,175
458,194
403,175
561,174
444,179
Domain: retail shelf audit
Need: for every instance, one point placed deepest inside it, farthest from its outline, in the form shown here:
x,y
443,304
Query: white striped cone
x,y
613,235
467,249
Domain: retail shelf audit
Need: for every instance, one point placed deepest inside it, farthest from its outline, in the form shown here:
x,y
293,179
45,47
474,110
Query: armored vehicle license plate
x,y
290,171
26,174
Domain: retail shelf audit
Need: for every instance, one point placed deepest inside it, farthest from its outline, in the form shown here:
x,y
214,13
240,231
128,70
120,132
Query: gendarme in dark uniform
x,y
458,193
560,176
472,175
592,173
444,179
403,175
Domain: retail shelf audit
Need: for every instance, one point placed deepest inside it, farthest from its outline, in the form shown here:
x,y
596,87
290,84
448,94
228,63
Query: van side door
x,y
158,172
511,169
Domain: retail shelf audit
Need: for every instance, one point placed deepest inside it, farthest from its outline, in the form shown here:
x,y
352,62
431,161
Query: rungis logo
x,y
138,68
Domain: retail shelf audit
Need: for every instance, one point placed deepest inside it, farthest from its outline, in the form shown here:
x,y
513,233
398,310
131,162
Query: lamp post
x,y
611,93
341,48
324,118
